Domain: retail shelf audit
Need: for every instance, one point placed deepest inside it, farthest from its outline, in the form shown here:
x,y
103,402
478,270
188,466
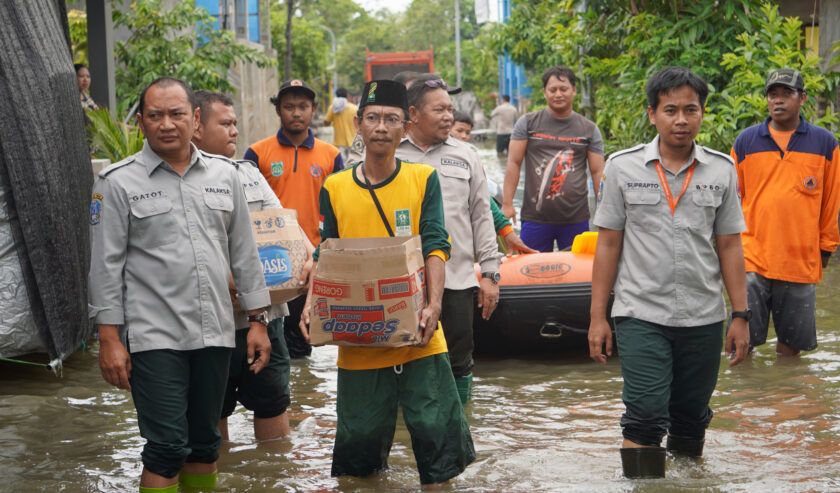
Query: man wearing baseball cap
x,y
788,175
296,164
379,197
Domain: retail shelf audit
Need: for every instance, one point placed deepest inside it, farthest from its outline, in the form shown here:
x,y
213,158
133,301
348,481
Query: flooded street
x,y
540,423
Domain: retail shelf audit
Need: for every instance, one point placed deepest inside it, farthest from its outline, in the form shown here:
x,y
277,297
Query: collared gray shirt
x,y
466,207
162,248
669,271
504,117
259,195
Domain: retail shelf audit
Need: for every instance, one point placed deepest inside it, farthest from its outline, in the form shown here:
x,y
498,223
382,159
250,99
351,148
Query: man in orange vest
x,y
788,171
296,164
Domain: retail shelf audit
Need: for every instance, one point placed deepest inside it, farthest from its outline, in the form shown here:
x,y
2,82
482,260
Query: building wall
x,y
254,86
829,33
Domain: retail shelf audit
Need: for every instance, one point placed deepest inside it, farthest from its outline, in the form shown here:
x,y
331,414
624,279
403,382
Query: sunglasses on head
x,y
436,84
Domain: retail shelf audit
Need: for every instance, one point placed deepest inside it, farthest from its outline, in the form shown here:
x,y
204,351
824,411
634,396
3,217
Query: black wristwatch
x,y
746,314
493,276
261,317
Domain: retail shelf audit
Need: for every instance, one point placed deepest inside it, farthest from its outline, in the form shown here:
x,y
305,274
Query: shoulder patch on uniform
x,y
718,154
217,156
119,164
95,209
248,161
626,151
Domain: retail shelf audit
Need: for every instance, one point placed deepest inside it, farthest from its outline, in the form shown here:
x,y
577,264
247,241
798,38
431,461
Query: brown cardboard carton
x,y
368,292
282,251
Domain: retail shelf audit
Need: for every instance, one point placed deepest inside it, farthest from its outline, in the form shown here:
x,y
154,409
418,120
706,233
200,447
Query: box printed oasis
x,y
368,292
282,251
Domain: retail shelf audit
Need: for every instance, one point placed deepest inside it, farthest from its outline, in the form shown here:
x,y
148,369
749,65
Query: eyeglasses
x,y
372,120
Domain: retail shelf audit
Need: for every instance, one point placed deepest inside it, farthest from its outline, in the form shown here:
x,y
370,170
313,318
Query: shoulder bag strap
x,y
376,202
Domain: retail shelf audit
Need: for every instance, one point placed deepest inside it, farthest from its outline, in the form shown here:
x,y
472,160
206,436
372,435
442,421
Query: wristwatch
x,y
493,276
746,314
261,317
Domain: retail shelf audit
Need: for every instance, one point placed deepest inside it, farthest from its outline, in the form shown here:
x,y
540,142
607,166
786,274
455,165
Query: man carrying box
x,y
373,382
265,393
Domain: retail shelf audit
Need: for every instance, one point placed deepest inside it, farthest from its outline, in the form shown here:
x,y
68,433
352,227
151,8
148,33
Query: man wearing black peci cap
x,y
296,164
788,172
406,78
373,382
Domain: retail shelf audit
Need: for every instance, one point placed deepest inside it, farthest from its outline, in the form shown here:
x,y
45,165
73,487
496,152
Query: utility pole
x,y
335,58
457,44
289,11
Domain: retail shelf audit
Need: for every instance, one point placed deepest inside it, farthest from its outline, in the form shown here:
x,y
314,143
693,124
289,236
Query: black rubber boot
x,y
685,446
644,462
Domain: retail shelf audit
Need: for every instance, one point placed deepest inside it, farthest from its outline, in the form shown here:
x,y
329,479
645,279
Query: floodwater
x,y
540,424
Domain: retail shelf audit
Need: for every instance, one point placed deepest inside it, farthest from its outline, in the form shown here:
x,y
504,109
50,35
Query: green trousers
x,y
669,376
178,397
367,418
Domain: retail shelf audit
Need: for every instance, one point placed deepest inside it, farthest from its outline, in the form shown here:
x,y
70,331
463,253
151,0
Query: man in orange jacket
x,y
295,164
788,175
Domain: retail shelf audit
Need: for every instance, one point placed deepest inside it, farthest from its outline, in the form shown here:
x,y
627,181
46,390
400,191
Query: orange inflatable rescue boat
x,y
543,298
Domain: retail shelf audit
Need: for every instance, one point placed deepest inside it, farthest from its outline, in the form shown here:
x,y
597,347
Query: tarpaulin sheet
x,y
45,164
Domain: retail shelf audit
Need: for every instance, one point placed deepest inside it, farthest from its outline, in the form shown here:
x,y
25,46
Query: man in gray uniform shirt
x,y
670,223
168,226
266,393
467,216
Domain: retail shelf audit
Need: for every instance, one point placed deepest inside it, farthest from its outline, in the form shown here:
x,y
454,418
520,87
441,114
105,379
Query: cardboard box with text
x,y
368,292
280,244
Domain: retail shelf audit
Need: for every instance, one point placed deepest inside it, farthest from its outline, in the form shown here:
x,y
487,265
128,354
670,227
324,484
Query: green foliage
x,y
311,51
111,139
181,42
424,23
615,46
376,32
432,22
773,43
77,21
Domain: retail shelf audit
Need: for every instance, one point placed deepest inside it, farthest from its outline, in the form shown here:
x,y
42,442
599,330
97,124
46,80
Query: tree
x,y
424,23
181,42
617,45
77,20
288,37
309,49
432,22
773,43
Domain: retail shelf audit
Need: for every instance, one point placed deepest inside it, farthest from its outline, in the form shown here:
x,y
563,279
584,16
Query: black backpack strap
x,y
376,202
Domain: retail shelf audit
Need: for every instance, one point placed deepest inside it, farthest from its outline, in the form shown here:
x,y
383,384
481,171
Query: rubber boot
x,y
644,462
199,481
464,385
685,446
173,488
